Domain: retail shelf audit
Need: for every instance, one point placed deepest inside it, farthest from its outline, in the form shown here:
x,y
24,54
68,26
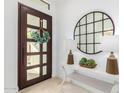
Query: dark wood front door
x,y
34,60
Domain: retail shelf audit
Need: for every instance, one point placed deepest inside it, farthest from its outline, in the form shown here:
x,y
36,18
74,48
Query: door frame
x,y
21,51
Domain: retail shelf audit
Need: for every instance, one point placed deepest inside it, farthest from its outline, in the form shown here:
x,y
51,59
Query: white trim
x,y
11,90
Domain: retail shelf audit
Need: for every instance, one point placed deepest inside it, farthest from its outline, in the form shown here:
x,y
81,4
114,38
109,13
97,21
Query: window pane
x,y
39,3
97,48
90,18
105,16
33,20
108,33
83,48
78,45
90,28
29,31
83,29
108,25
90,48
83,38
33,47
77,31
44,58
33,60
78,24
90,38
98,26
83,21
44,70
98,16
77,39
98,37
33,73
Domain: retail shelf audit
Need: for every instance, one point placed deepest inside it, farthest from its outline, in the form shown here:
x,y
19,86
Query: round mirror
x,y
90,28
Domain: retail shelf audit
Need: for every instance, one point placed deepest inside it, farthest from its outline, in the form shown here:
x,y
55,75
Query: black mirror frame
x,y
93,32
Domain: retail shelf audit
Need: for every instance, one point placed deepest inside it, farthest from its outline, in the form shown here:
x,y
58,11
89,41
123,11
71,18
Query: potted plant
x,y
89,63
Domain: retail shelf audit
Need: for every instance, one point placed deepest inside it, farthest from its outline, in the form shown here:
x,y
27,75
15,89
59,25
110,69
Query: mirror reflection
x,y
33,73
90,28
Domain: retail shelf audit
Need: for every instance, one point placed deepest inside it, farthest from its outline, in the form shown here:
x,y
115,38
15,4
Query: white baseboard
x,y
10,90
53,75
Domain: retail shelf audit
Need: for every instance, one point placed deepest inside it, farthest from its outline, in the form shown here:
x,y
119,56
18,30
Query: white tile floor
x,y
51,86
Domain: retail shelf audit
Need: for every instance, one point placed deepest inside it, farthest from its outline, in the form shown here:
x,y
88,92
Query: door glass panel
x,y
44,70
29,31
44,58
40,3
44,47
33,73
44,24
33,60
33,47
33,20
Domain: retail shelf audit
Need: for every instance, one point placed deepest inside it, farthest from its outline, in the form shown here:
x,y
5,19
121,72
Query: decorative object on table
x,y
88,63
111,44
36,36
70,58
112,65
70,46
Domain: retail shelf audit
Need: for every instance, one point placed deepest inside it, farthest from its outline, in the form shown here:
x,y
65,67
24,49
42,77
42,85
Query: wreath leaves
x,y
36,36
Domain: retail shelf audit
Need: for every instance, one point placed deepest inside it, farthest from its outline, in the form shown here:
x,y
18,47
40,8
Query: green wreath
x,y
36,36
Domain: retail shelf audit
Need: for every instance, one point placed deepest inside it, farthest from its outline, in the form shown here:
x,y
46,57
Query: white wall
x,y
11,40
68,13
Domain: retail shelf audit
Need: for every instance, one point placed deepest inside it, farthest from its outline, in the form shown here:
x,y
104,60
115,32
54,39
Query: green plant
x,y
91,62
36,36
83,60
87,62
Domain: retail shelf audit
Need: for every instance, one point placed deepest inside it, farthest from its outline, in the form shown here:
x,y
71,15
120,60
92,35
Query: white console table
x,y
92,79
